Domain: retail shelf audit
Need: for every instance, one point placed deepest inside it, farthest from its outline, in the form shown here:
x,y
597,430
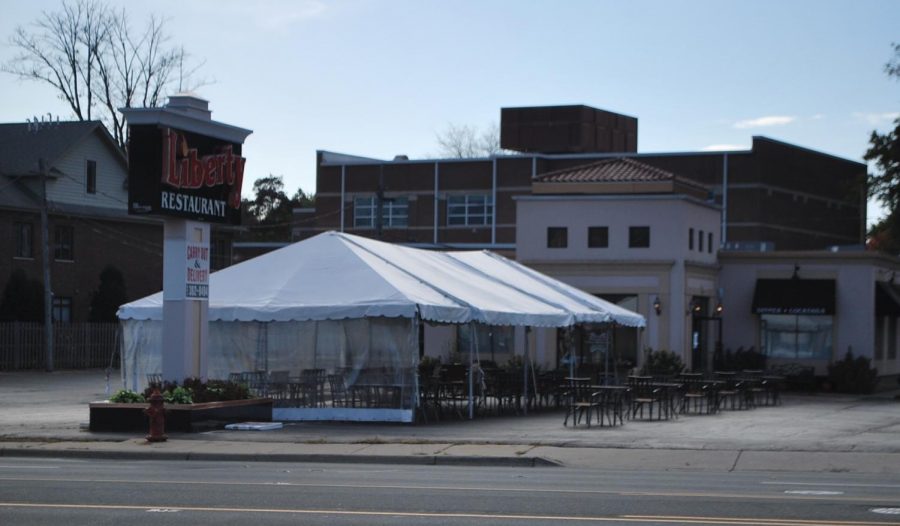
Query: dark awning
x,y
887,299
794,296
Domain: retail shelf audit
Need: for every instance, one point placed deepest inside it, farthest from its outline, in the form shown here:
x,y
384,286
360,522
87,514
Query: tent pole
x,y
472,343
570,349
417,339
525,373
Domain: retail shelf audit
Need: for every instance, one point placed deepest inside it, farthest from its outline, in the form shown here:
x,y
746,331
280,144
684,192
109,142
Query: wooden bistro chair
x,y
645,394
581,401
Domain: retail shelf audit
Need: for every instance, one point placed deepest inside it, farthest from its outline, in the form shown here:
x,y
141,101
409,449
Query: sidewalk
x,y
43,414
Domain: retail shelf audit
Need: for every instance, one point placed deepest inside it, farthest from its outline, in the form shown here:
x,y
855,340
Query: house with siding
x,y
79,174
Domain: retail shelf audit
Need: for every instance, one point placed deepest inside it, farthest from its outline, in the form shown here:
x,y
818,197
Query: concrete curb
x,y
424,460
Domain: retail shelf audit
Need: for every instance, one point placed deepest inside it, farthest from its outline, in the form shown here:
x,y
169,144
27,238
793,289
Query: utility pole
x,y
48,293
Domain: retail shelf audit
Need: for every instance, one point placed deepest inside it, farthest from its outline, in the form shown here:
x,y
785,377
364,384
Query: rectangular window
x,y
220,253
90,180
557,237
466,210
394,212
62,309
690,239
797,337
64,243
700,241
638,236
598,236
709,242
24,233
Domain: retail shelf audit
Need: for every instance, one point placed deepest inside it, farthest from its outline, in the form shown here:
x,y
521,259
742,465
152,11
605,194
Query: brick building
x,y
708,246
776,195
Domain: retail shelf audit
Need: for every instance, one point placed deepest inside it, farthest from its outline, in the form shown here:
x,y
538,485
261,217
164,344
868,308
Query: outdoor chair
x,y
340,396
581,401
698,396
154,380
731,393
645,394
277,386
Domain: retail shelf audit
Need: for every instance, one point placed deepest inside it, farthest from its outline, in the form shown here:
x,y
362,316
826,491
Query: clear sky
x,y
381,78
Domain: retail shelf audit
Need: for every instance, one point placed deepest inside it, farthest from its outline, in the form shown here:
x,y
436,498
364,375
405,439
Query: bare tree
x,y
90,55
467,141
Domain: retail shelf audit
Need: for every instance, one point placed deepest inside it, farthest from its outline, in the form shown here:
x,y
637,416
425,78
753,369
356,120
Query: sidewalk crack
x,y
736,460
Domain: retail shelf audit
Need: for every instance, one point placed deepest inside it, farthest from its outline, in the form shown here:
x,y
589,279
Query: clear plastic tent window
x,y
329,327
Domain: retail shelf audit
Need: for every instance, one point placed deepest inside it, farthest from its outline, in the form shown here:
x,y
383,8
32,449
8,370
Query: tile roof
x,y
616,170
21,146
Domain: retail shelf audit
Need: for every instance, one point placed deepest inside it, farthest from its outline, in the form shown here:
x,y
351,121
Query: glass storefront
x,y
798,337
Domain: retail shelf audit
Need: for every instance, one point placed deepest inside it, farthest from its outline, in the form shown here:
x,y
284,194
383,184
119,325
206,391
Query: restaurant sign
x,y
182,174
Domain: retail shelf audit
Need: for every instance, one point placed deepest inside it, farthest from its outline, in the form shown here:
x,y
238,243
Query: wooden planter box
x,y
108,416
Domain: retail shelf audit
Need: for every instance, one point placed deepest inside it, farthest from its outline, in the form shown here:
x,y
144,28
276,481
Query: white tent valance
x,y
335,276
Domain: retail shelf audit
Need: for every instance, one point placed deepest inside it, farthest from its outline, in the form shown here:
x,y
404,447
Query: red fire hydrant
x,y
157,414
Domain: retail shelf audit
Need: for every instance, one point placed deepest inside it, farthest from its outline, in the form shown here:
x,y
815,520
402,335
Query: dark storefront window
x,y
803,337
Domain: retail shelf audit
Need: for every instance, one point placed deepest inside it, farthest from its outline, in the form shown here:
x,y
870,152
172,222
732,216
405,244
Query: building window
x,y
465,210
64,242
394,212
700,241
879,337
598,237
220,253
709,242
797,337
557,237
690,239
62,309
24,233
90,180
638,236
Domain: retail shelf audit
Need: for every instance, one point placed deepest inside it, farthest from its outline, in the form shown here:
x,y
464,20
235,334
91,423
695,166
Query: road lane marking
x,y
659,494
812,492
886,511
832,484
737,521
27,467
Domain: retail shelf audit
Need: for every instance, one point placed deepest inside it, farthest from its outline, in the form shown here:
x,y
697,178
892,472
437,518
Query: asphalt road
x,y
72,492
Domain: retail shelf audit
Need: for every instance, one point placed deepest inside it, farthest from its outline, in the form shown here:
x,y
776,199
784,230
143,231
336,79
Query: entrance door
x,y
699,333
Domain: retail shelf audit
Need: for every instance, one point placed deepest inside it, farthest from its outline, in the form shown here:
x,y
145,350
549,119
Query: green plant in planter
x,y
853,375
126,396
178,395
661,363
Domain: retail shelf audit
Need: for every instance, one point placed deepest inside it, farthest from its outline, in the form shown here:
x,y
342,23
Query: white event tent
x,y
351,307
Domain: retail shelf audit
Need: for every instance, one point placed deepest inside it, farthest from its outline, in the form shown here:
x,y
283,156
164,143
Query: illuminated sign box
x,y
182,174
